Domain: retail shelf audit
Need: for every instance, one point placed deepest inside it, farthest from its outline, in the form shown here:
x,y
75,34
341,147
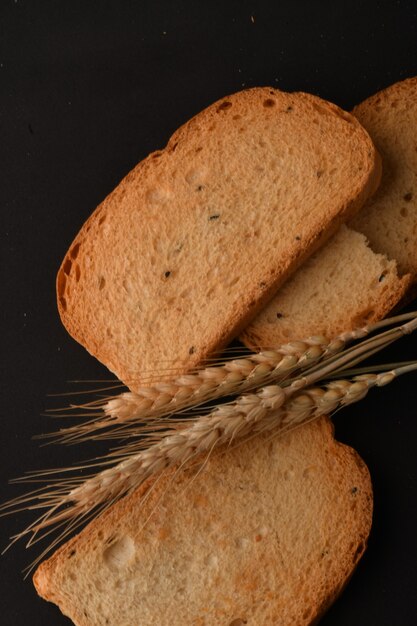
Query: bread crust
x,y
82,302
345,519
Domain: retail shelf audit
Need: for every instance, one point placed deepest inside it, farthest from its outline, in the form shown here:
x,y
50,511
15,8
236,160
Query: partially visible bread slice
x,y
268,533
195,240
313,303
389,219
342,286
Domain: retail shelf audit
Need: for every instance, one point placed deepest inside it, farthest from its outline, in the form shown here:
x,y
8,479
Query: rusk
x,y
196,239
268,532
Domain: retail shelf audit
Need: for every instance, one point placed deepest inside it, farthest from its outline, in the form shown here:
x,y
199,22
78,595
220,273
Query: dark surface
x,y
87,90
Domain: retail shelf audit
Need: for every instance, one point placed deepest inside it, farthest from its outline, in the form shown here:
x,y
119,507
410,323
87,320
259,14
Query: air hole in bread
x,y
102,220
119,553
63,303
224,106
155,196
269,103
408,196
75,250
239,621
62,281
236,117
195,176
77,273
101,282
67,266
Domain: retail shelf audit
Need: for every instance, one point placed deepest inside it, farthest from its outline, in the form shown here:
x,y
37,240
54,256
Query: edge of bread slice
x,y
268,532
195,240
339,288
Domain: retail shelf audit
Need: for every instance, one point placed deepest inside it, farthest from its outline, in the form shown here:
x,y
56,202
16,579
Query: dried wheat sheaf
x,y
277,390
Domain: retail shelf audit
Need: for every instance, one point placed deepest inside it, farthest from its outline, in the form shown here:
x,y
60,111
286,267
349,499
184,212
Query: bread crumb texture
x,y
389,220
195,240
354,279
343,286
267,533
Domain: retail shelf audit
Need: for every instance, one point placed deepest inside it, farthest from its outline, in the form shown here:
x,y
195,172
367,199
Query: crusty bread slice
x,y
389,219
195,240
268,533
339,288
344,285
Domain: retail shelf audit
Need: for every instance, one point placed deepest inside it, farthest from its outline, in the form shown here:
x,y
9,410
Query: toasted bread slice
x,y
389,219
340,287
267,533
196,239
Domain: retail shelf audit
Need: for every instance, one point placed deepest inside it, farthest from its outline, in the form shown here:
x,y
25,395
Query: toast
x,y
196,239
347,284
389,219
267,533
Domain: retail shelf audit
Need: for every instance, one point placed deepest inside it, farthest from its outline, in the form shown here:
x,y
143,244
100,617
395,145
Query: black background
x,y
86,91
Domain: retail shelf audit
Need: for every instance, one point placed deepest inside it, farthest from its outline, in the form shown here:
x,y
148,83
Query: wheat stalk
x,y
271,408
211,383
276,407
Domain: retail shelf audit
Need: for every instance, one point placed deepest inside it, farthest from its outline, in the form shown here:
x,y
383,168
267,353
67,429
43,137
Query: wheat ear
x,y
70,502
211,383
271,408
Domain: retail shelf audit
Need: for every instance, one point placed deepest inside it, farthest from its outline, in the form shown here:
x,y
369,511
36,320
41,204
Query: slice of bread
x,y
389,219
195,240
268,533
340,289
